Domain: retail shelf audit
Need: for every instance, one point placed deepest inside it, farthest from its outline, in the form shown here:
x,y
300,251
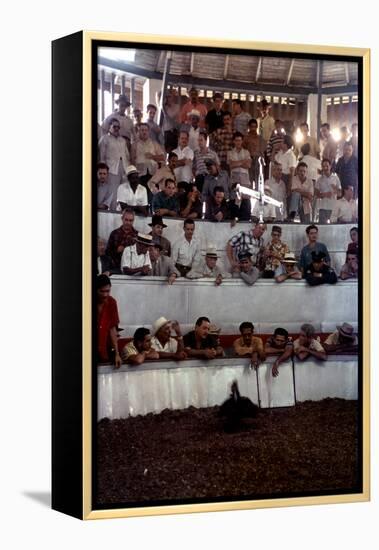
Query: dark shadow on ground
x,y
41,497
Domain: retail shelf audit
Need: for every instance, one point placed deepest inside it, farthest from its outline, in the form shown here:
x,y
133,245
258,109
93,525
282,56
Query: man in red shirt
x,y
107,322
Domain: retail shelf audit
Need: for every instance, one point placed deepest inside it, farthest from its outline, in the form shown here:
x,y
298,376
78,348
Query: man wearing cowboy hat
x,y
287,269
114,152
162,266
342,339
126,123
157,225
208,268
135,259
318,272
162,341
132,194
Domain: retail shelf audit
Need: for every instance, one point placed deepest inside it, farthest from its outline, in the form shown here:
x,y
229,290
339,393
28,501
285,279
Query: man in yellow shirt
x,y
248,345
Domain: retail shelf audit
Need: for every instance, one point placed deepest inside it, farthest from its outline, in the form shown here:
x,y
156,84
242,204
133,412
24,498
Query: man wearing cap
x,y
162,266
121,237
157,225
208,268
193,129
213,120
216,209
312,246
308,345
132,194
246,241
241,118
107,322
165,203
135,259
126,123
245,269
183,170
199,343
186,252
287,269
113,151
342,339
146,154
162,341
139,349
318,272
192,104
155,131
157,182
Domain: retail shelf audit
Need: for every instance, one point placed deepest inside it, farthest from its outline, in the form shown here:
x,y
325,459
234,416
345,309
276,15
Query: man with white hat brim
x,y
135,260
162,341
287,269
342,339
207,268
131,194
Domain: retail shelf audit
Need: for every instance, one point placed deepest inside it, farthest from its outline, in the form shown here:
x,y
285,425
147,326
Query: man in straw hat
x,y
135,259
207,268
162,341
342,339
287,269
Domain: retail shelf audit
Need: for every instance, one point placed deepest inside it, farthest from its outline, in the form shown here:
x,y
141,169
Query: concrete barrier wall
x,y
153,387
267,304
336,237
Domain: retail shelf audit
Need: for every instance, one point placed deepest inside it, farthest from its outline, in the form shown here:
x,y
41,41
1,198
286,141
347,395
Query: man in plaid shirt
x,y
247,241
222,139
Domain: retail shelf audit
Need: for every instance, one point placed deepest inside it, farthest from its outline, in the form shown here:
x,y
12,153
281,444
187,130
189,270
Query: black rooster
x,y
236,408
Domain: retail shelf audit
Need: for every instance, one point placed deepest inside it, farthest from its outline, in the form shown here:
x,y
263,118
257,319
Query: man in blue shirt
x,y
164,202
312,246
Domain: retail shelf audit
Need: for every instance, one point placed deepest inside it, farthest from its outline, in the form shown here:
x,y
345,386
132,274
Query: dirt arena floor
x,y
181,455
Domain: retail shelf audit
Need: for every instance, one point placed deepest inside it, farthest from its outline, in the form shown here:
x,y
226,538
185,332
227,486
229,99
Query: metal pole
x,y
102,83
132,91
319,96
166,72
113,76
123,84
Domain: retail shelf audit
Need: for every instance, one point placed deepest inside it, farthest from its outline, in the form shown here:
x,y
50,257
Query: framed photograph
x,y
211,275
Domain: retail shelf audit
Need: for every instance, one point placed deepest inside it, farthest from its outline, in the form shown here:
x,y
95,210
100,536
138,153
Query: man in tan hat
x,y
162,341
132,194
287,269
208,268
342,339
162,266
126,123
135,259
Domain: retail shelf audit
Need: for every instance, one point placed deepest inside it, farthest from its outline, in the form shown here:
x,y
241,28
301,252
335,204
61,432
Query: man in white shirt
x,y
162,341
193,129
287,160
301,195
327,189
186,252
183,170
314,148
345,209
266,123
278,190
132,194
239,161
146,154
114,152
126,123
135,259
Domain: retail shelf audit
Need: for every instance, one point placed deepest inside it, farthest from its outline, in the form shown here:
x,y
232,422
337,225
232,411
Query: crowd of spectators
x,y
177,168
